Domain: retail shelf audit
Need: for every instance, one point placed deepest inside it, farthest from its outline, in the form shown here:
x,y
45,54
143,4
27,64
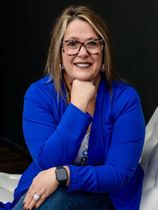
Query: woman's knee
x,y
59,200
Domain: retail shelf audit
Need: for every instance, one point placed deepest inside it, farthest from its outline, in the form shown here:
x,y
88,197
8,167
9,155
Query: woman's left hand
x,y
43,185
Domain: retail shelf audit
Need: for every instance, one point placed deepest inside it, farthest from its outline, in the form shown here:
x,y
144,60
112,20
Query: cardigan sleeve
x,y
124,153
51,143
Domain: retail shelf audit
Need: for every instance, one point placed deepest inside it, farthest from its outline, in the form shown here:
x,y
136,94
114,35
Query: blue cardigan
x,y
54,131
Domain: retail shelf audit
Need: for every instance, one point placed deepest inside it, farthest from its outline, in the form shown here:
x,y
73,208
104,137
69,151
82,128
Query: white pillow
x,y
151,139
149,200
149,162
8,183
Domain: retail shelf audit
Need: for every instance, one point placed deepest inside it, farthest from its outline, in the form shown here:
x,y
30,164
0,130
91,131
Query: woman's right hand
x,y
82,92
43,185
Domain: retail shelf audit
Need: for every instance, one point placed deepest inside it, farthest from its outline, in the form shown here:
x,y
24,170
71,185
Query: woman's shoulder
x,y
44,81
124,96
121,88
42,86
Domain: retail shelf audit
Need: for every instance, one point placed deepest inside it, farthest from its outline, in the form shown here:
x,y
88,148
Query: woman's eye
x,y
72,43
92,43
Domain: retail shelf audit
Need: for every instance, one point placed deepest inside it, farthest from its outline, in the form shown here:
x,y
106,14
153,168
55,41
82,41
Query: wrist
x,y
79,105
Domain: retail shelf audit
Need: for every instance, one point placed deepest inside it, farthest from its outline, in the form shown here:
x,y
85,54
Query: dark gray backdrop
x,y
25,36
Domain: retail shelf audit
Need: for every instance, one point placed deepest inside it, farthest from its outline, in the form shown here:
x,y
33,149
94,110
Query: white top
x,y
82,155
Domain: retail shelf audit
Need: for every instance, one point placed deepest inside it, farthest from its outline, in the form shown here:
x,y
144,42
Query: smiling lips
x,y
83,65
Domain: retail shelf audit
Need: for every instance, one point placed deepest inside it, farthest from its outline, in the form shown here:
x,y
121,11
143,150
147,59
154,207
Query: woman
x,y
83,126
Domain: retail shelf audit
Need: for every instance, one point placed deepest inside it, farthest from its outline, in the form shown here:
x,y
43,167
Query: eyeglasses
x,y
72,47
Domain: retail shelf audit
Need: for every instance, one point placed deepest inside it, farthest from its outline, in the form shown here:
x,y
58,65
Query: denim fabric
x,y
63,200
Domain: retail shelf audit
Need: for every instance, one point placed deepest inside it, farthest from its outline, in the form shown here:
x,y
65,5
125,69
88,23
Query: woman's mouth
x,y
83,65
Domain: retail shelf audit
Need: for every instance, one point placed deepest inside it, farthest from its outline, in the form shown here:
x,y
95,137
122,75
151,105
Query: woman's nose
x,y
83,51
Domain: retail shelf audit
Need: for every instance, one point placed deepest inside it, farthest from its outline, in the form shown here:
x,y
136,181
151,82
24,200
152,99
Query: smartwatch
x,y
61,175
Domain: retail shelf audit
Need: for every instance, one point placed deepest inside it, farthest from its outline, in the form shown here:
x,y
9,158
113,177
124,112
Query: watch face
x,y
62,174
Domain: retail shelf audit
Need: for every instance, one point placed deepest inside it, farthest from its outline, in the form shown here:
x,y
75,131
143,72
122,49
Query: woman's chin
x,y
84,77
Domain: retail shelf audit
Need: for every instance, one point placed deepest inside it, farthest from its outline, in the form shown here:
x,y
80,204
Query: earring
x,y
103,68
61,67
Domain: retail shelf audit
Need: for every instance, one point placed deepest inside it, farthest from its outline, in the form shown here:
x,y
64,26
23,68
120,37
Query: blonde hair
x,y
53,65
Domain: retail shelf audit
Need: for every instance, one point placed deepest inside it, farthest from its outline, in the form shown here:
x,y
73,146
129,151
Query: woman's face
x,y
83,65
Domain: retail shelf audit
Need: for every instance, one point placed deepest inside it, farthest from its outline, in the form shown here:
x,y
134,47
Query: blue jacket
x,y
54,130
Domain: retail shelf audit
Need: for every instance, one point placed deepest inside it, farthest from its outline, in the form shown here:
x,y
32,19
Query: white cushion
x,y
149,199
149,162
8,183
151,139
